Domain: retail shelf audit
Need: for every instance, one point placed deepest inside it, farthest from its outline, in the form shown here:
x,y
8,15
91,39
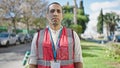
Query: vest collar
x,y
55,31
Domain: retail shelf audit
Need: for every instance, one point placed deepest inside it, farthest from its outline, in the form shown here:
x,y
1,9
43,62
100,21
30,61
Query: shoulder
x,y
75,33
76,36
69,29
35,34
72,31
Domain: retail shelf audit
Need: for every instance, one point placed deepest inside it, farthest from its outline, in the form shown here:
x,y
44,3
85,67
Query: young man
x,y
56,46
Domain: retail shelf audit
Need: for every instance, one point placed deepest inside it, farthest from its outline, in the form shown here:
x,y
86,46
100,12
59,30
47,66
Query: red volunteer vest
x,y
65,52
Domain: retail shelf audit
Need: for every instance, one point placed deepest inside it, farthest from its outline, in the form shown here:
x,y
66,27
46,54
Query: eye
x,y
52,10
58,11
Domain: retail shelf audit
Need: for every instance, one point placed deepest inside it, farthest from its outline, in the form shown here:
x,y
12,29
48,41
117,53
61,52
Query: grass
x,y
94,56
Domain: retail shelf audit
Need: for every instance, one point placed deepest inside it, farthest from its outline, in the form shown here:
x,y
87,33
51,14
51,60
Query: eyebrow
x,y
53,10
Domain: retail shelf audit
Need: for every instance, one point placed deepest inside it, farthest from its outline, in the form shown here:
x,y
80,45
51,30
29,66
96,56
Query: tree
x,y
11,10
77,28
75,12
23,9
33,8
100,22
39,22
68,15
67,9
81,17
111,20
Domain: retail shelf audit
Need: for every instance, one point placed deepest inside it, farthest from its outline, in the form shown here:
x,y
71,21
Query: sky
x,y
92,8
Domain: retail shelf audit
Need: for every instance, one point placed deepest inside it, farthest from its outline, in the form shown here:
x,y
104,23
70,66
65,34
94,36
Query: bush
x,y
77,28
113,50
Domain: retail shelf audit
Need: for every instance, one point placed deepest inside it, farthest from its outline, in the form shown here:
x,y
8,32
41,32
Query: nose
x,y
55,13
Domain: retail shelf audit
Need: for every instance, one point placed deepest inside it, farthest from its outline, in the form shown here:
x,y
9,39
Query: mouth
x,y
55,19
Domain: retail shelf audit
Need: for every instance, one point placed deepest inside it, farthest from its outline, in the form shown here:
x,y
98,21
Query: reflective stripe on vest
x,y
62,62
40,49
70,43
44,62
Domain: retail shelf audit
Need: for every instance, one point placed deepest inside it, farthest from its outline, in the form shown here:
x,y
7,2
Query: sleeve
x,y
78,50
33,57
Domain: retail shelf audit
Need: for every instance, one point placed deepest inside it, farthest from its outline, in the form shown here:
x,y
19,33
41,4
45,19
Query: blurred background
x,y
97,23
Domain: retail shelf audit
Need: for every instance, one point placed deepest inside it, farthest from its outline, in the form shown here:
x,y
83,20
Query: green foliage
x,y
100,27
113,51
22,20
68,16
82,19
67,9
77,28
100,23
111,20
80,11
81,15
39,22
67,20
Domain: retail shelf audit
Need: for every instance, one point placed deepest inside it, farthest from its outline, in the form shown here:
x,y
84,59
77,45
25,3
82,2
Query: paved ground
x,y
11,64
12,57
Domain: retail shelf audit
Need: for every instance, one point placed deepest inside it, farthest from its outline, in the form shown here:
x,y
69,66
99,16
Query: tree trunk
x,y
27,26
14,25
75,12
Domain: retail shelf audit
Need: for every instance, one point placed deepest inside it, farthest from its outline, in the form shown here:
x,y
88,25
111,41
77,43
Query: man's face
x,y
54,14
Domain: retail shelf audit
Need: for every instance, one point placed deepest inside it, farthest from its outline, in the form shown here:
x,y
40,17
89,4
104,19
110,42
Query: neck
x,y
53,27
